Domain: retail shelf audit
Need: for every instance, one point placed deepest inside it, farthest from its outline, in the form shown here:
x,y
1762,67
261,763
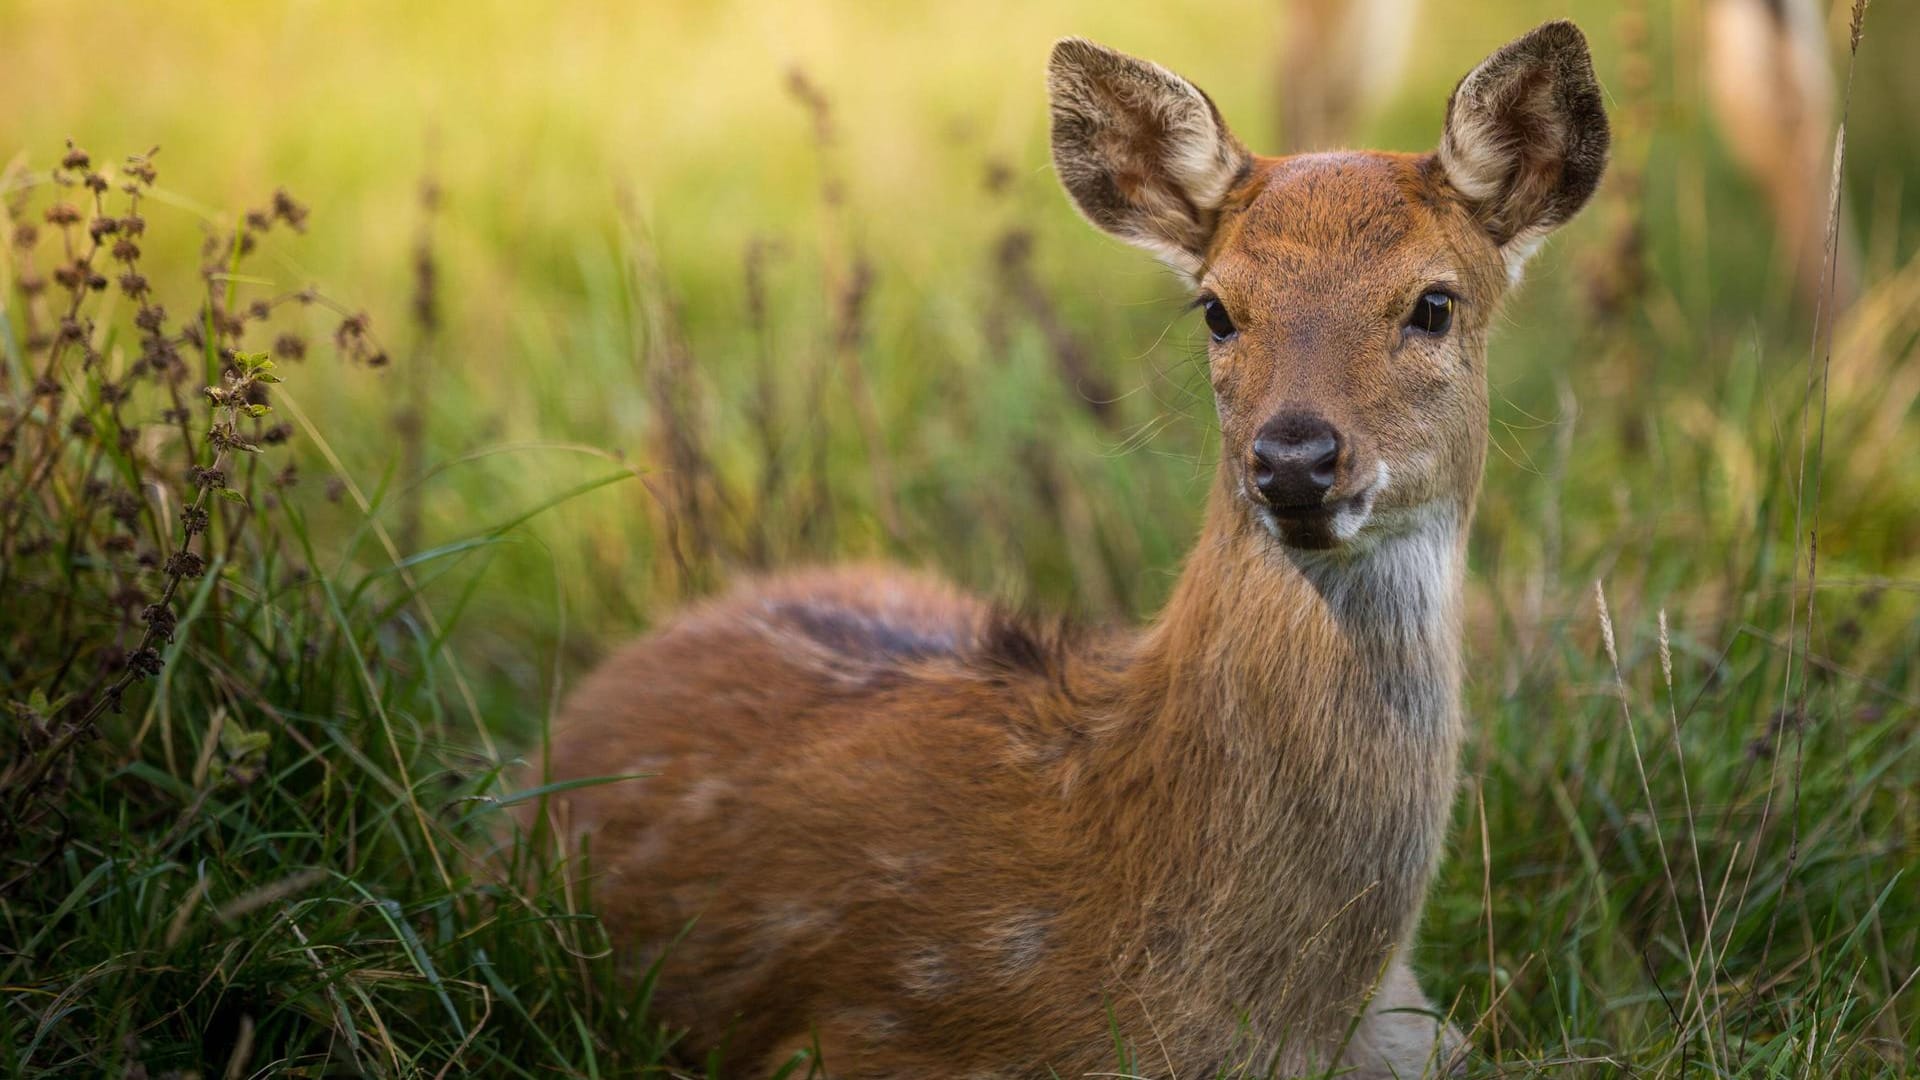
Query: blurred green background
x,y
802,268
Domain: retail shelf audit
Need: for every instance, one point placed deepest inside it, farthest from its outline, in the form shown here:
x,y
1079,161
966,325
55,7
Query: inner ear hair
x,y
1143,152
1526,137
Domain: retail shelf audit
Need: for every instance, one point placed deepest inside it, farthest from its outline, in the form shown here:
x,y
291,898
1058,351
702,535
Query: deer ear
x,y
1526,138
1142,151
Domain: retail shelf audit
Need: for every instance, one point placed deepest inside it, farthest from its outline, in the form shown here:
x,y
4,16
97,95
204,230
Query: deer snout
x,y
1296,460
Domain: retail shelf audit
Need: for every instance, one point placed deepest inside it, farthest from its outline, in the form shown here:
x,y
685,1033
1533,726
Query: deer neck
x,y
1284,746
1357,647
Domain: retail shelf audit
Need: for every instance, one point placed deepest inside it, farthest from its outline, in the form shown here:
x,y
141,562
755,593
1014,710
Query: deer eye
x,y
1218,321
1432,313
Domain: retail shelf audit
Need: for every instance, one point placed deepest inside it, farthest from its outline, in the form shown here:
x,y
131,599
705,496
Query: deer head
x,y
1348,295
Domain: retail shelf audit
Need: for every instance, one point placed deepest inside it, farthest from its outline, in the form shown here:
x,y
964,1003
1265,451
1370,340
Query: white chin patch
x,y
1358,510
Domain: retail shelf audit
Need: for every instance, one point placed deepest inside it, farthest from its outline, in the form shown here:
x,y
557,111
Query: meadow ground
x,y
655,298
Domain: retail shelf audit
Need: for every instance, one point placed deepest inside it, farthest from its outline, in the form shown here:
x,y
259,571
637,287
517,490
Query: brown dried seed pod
x,y
144,663
161,618
186,564
288,210
125,506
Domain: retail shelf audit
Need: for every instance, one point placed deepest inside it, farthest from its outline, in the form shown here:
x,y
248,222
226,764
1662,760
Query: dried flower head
x,y
289,211
144,662
140,167
161,618
186,564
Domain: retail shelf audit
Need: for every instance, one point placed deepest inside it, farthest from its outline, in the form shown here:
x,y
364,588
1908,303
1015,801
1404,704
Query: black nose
x,y
1294,460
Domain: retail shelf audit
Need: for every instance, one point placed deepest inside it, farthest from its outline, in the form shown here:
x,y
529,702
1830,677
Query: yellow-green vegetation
x,y
579,311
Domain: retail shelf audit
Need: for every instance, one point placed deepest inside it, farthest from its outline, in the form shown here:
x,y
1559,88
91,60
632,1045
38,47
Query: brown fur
x,y
891,818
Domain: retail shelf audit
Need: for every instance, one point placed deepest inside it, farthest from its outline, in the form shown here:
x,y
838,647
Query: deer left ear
x,y
1142,151
1526,138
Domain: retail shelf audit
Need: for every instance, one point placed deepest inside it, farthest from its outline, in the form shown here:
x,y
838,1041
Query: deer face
x,y
1347,296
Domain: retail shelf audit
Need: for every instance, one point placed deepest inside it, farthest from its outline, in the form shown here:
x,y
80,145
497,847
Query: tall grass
x,y
1684,844
236,835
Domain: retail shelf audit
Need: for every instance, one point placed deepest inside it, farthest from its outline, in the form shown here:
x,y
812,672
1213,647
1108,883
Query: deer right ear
x,y
1526,138
1142,151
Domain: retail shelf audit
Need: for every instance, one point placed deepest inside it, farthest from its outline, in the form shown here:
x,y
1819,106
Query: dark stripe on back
x,y
865,635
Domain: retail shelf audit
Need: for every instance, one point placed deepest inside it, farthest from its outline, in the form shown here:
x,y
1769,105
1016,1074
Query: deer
x,y
902,832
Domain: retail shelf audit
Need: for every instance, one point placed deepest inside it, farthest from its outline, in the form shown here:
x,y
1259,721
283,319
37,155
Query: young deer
x,y
887,820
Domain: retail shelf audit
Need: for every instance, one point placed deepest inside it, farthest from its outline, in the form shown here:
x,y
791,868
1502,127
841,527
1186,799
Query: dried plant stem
x,y
1073,363
849,330
22,778
765,404
1806,517
410,419
849,283
45,386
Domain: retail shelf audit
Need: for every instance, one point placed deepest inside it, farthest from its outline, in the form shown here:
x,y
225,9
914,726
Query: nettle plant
x,y
136,471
